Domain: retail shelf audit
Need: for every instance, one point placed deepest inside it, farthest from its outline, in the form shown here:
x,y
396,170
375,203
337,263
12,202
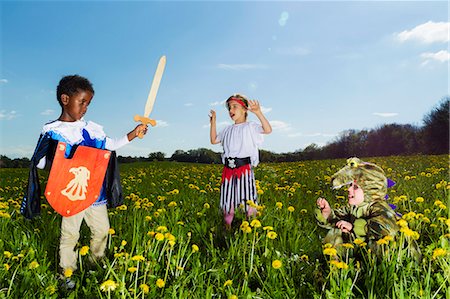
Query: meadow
x,y
168,239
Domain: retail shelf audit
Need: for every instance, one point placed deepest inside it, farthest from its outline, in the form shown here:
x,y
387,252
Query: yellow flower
x,y
145,289
172,204
276,264
194,248
138,258
148,218
267,228
255,223
304,258
68,272
159,237
260,192
291,209
132,269
271,235
151,233
84,250
229,282
339,265
348,245
160,283
33,265
162,228
7,254
108,286
233,297
6,266
330,251
382,242
439,252
303,211
111,231
388,238
419,199
206,205
402,223
279,205
360,242
123,243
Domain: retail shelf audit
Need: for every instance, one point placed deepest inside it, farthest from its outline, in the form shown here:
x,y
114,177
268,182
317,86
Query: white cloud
x,y
4,115
280,125
161,123
441,56
429,32
241,67
293,51
265,109
217,103
283,18
48,112
385,114
3,81
218,125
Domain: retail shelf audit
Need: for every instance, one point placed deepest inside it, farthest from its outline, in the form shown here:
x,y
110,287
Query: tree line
x,y
390,139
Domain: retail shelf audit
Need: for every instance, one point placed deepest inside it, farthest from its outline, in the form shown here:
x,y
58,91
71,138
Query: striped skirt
x,y
238,186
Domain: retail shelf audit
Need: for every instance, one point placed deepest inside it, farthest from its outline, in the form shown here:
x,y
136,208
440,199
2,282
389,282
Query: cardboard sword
x,y
152,95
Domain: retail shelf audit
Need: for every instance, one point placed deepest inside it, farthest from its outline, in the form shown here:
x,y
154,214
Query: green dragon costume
x,y
372,219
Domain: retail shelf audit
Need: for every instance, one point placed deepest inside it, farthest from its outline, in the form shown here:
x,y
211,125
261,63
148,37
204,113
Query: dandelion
x,y
339,265
33,265
272,235
279,205
172,204
123,243
291,209
6,266
330,251
132,269
267,228
276,264
360,242
255,223
138,258
162,229
84,250
419,199
402,223
206,205
382,242
108,286
233,297
160,283
304,258
159,237
439,252
145,288
151,233
347,245
68,272
229,282
303,211
7,254
148,218
194,248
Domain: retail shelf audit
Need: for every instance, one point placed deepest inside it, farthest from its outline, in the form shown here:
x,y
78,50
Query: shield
x,y
74,184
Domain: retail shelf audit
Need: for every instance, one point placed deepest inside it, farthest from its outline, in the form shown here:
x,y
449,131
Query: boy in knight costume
x,y
240,143
74,94
367,216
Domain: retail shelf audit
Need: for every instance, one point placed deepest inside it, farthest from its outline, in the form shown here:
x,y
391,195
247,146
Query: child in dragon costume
x,y
367,216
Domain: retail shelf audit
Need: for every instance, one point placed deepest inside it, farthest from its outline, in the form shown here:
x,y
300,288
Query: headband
x,y
240,101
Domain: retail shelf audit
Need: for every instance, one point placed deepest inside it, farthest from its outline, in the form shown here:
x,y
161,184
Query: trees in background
x,y
385,140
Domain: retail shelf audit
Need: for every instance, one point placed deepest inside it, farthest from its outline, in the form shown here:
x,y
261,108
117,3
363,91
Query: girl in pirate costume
x,y
240,143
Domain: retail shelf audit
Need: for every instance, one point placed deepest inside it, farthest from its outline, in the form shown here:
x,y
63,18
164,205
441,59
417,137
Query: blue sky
x,y
317,68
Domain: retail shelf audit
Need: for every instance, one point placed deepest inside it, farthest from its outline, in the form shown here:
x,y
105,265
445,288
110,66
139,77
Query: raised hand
x,y
324,207
212,116
253,106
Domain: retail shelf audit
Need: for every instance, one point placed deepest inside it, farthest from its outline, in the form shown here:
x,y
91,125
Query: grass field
x,y
168,240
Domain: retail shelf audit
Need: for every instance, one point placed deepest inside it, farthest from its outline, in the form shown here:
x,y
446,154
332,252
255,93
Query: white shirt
x,y
241,141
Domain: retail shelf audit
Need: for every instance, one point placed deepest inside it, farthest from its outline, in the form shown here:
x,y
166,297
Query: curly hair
x,y
71,85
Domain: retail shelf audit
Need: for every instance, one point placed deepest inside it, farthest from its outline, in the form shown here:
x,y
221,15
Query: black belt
x,y
236,162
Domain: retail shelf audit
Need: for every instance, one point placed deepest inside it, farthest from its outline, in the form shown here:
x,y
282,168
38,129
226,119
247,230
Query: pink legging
x,y
228,217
